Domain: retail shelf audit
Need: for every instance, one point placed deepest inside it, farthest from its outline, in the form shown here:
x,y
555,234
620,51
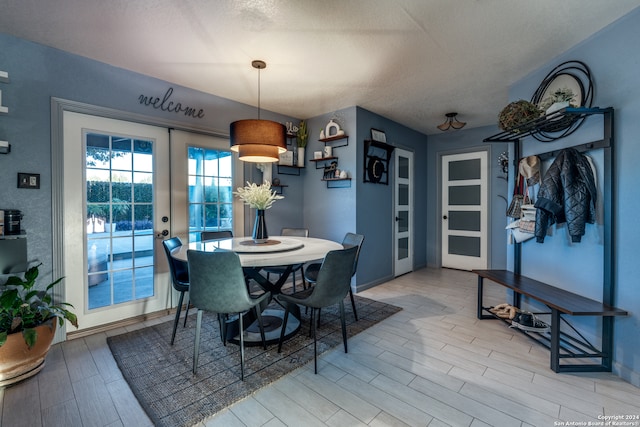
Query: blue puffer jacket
x,y
567,194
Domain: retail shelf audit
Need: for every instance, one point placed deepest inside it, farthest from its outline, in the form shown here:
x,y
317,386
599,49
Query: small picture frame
x,y
29,180
378,135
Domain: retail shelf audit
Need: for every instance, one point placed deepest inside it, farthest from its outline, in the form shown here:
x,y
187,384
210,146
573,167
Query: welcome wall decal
x,y
165,104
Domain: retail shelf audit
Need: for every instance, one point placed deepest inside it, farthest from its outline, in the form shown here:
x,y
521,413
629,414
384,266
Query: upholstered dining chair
x,y
349,240
179,279
213,235
297,232
332,285
217,285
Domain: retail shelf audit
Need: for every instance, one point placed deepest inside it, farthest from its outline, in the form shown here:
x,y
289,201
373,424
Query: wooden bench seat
x,y
560,302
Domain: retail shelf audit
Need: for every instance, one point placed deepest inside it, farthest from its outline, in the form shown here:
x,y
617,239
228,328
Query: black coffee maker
x,y
12,218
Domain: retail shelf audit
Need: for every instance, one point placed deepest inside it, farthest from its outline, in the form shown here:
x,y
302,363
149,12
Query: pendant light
x,y
258,141
451,122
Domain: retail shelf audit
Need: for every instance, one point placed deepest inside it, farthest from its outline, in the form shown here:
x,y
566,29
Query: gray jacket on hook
x,y
567,194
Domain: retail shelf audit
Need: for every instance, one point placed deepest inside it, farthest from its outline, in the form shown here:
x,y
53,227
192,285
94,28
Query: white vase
x,y
301,157
557,106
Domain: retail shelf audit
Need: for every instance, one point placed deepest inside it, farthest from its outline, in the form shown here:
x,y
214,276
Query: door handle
x,y
397,218
444,217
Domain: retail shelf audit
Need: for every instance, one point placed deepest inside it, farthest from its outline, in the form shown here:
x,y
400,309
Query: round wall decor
x,y
574,75
375,169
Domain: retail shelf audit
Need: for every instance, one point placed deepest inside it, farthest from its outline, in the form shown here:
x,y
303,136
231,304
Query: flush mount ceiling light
x,y
258,141
451,122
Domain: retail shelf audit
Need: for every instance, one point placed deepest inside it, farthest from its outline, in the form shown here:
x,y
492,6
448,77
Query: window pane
x,y
464,195
462,220
462,245
210,191
464,169
403,167
403,248
403,221
403,195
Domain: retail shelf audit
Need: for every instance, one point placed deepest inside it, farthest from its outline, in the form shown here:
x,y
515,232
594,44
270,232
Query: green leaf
x,y
8,298
30,335
54,283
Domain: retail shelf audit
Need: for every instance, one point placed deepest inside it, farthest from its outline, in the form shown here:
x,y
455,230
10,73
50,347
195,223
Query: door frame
x,y
439,184
58,107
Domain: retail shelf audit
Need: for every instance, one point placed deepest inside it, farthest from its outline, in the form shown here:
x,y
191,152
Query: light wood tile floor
x,y
431,364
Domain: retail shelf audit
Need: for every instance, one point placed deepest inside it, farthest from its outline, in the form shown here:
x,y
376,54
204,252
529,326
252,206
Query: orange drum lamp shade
x,y
258,141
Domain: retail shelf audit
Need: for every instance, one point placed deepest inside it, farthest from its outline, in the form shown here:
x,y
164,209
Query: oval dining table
x,y
283,251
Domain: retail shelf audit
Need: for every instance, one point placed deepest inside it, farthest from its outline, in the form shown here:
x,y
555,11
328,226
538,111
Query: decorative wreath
x,y
375,169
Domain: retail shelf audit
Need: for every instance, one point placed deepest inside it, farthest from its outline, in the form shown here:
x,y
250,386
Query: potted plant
x,y
302,137
559,99
516,114
260,198
28,319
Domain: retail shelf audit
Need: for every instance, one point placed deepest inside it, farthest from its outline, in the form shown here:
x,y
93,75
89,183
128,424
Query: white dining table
x,y
284,251
279,250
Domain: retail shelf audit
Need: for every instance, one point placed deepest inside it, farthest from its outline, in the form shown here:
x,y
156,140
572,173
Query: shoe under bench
x,y
561,303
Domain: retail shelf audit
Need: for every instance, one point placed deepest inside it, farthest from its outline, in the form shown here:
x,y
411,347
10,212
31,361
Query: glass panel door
x,y
116,206
464,210
403,181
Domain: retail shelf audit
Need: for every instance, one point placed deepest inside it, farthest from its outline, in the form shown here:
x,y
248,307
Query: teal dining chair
x,y
332,286
217,285
349,240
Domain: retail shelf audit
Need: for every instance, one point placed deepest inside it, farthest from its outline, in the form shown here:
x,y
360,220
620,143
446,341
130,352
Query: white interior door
x,y
403,207
116,205
464,211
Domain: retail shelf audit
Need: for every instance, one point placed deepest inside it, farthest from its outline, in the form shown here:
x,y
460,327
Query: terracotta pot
x,y
17,361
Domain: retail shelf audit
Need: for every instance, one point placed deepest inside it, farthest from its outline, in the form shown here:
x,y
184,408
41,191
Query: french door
x,y
464,210
116,205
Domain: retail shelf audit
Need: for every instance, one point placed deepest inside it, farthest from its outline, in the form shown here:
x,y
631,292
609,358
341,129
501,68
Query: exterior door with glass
x,y
116,208
464,211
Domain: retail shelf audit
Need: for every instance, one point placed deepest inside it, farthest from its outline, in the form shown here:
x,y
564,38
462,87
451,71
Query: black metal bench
x,y
560,302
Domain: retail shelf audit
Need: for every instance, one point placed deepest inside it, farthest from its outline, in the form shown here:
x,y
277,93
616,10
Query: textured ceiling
x,y
409,60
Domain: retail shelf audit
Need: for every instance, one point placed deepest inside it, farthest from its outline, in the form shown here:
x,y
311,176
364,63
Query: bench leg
x,y
555,340
480,292
480,306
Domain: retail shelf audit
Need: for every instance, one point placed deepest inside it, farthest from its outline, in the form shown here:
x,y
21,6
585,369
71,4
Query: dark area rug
x,y
160,375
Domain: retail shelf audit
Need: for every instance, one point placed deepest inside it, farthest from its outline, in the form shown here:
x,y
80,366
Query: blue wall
x,y
38,73
364,208
614,60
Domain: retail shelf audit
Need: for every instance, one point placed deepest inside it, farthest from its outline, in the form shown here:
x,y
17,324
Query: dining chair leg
x,y
315,350
222,322
241,346
284,327
344,326
175,322
311,320
186,313
259,318
196,345
353,304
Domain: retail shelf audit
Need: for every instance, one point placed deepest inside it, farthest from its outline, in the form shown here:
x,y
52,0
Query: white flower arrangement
x,y
257,196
